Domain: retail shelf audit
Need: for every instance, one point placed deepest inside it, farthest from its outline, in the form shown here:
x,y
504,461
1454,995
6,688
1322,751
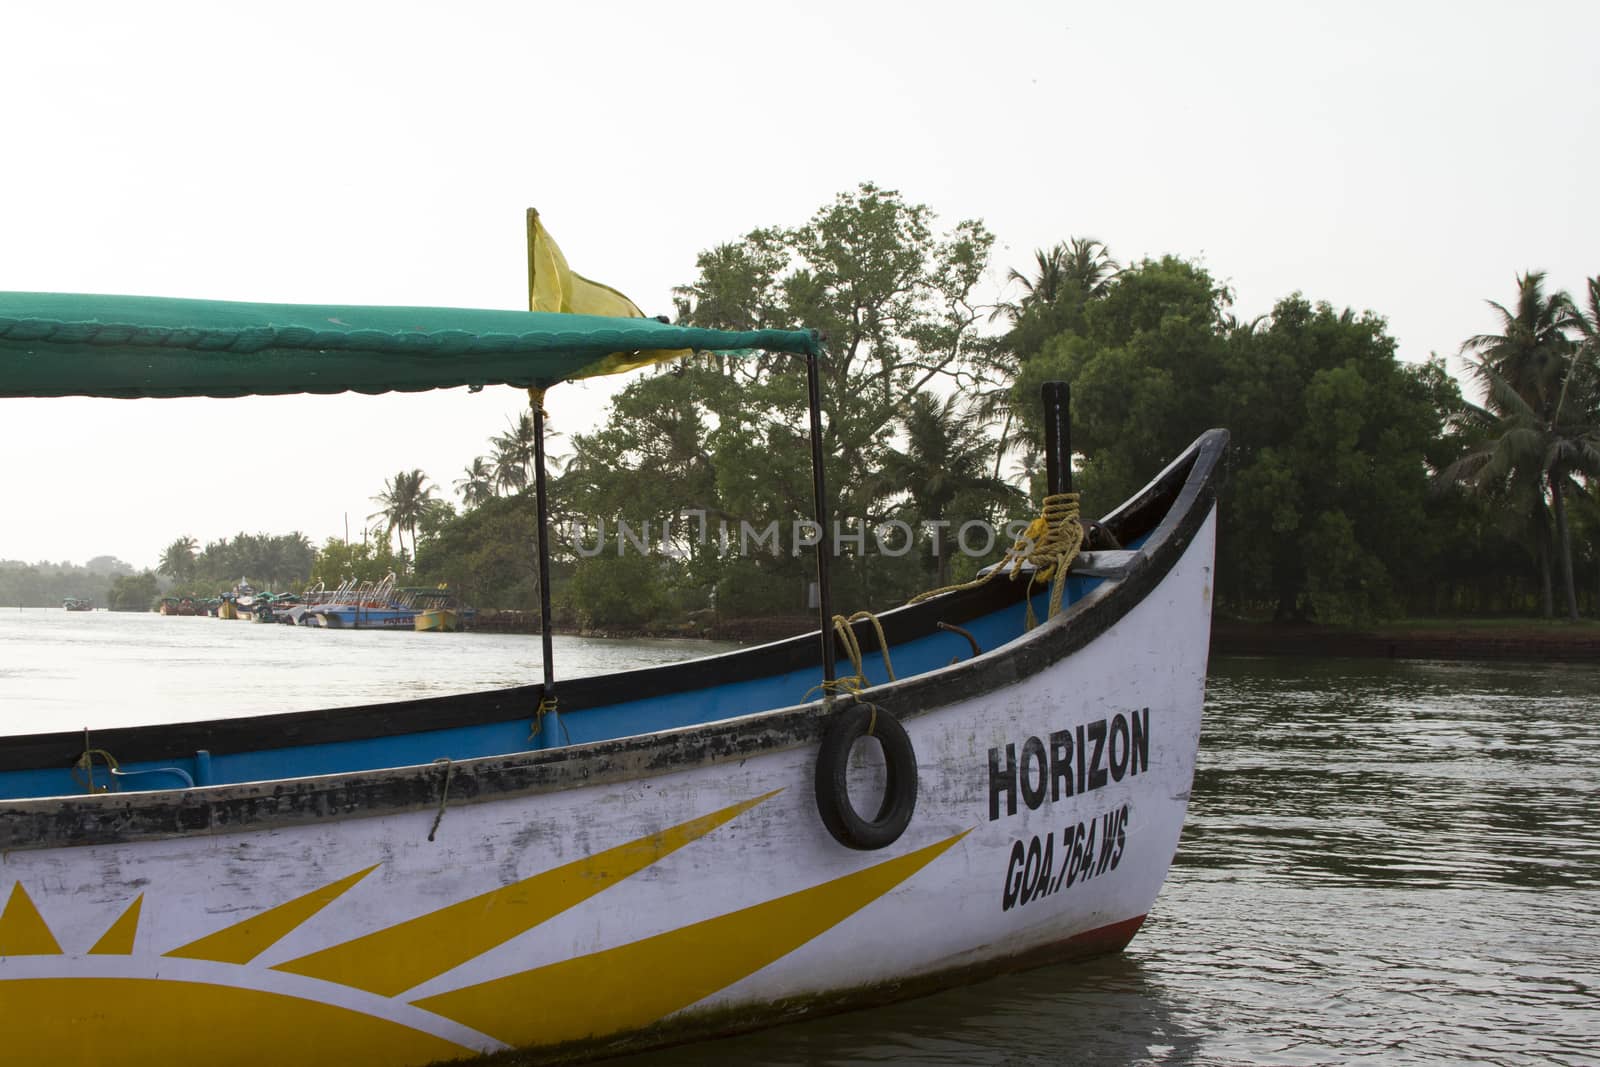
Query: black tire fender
x,y
844,729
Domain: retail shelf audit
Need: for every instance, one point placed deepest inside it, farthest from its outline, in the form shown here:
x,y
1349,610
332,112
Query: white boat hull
x,y
704,899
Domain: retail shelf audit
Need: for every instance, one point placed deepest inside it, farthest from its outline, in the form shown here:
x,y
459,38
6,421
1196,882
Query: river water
x,y
1385,861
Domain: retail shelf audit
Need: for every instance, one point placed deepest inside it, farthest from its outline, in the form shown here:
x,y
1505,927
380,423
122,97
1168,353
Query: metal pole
x,y
1057,437
551,723
820,492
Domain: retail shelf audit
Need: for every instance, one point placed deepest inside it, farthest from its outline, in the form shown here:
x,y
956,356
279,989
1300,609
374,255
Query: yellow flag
x,y
554,286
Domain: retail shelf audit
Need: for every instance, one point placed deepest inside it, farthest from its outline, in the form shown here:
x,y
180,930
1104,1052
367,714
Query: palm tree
x,y
1048,281
404,498
1541,392
478,484
946,456
510,474
1531,351
1087,266
1586,321
513,454
1533,453
178,559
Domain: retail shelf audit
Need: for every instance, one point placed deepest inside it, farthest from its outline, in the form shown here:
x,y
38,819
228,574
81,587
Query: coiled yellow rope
x,y
1050,543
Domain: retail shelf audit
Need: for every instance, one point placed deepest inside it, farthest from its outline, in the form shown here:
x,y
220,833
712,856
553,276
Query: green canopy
x,y
61,344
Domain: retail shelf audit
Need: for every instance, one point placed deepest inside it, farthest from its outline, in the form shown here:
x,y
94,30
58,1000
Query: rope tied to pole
x,y
853,683
547,704
85,765
1048,546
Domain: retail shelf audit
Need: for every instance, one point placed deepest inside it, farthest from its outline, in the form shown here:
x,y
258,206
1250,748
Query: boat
x,y
440,620
73,603
438,610
602,863
365,606
245,601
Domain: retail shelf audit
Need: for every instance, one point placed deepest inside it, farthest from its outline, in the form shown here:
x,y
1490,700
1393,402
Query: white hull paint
x,y
705,898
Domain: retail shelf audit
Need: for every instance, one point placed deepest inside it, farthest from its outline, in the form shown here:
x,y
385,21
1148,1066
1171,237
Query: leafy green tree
x,y
1148,367
894,299
624,591
719,441
1332,433
46,584
489,555
133,592
435,516
1321,516
339,561
896,302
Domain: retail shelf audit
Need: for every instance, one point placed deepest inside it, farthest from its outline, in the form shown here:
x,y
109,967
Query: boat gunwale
x,y
81,820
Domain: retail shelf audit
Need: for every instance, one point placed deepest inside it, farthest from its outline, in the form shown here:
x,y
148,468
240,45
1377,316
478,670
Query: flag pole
x,y
820,495
549,720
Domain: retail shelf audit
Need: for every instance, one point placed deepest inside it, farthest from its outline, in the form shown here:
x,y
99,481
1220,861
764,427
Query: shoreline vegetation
x,y
1360,487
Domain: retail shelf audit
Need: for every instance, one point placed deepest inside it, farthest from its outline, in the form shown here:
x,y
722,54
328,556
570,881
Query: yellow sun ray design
x,y
135,1021
244,941
22,929
117,1022
396,958
118,941
636,984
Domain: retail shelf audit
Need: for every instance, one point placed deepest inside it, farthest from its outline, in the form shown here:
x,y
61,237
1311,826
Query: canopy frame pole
x,y
819,491
549,720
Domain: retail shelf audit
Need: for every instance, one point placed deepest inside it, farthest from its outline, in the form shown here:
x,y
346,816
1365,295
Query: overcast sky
x,y
1408,158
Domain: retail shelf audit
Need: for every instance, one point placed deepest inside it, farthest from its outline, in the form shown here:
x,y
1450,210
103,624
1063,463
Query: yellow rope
x,y
854,683
546,704
85,763
844,628
1049,543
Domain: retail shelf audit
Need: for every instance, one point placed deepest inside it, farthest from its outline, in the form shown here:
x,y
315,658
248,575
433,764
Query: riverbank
x,y
1531,640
